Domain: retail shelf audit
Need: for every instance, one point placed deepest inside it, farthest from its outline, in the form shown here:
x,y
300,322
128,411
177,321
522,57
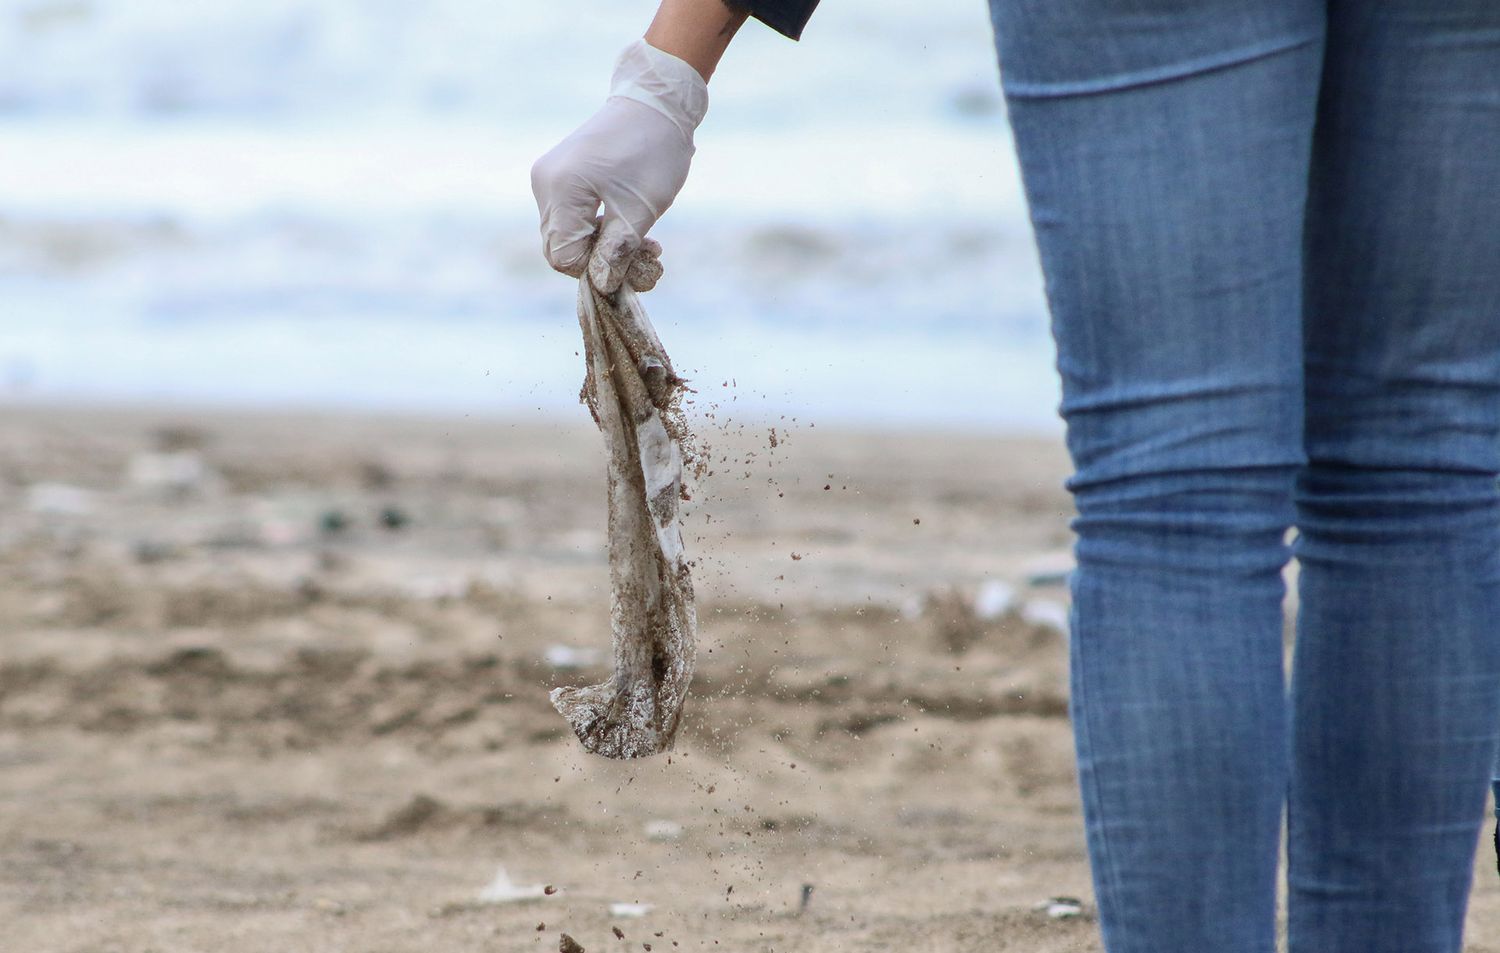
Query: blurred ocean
x,y
326,203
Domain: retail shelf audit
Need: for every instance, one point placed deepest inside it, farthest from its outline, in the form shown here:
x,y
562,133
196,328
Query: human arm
x,y
696,31
632,156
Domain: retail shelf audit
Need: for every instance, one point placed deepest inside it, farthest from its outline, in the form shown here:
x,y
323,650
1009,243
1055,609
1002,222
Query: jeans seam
x,y
1160,74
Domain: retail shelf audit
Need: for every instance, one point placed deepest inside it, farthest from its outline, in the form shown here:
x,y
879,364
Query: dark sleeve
x,y
787,17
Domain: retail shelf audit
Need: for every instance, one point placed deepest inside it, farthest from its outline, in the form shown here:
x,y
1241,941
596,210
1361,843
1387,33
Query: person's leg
x,y
1396,677
1164,148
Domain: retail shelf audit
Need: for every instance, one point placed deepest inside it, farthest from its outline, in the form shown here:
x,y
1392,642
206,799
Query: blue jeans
x,y
1270,231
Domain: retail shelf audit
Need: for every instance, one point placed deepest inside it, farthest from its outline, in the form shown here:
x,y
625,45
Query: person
x,y
1270,235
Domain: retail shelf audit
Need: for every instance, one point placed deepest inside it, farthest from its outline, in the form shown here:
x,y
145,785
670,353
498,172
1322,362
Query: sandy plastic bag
x,y
635,398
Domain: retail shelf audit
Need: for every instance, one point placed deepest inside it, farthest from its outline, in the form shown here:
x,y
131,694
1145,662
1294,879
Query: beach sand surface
x,y
279,682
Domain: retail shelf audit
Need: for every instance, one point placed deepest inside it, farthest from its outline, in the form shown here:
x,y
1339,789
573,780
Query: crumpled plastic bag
x,y
635,398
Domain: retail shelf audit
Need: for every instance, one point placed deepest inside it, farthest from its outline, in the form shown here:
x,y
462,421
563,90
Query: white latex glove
x,y
632,156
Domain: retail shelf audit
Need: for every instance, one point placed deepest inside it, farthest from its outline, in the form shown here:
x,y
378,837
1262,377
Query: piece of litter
x,y
1050,569
1046,613
629,909
636,399
502,890
566,944
1060,908
570,658
662,830
993,599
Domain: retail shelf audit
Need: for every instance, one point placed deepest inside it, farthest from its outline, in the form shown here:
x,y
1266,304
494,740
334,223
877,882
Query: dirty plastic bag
x,y
635,398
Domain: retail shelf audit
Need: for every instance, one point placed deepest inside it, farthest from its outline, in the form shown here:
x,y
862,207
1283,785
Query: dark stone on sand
x,y
411,817
333,522
148,551
375,475
200,660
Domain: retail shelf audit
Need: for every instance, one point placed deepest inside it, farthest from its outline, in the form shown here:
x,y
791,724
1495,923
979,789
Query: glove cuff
x,y
662,81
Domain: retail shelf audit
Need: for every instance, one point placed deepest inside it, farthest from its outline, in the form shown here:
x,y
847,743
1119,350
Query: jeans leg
x,y
1396,678
1164,148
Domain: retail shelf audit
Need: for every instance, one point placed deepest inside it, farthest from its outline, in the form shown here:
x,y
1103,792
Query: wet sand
x,y
280,682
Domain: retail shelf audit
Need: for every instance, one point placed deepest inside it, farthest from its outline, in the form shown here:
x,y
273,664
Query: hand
x,y
632,156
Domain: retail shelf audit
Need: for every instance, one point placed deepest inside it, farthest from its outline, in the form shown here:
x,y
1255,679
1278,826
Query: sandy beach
x,y
278,682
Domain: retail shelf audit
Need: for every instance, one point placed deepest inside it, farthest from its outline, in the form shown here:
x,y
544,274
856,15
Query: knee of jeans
x,y
1193,477
1410,423
1201,521
1390,464
1195,514
1423,505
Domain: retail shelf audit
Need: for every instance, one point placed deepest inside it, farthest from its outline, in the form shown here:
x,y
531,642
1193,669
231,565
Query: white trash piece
x,y
502,890
1050,569
1061,908
1046,613
993,599
572,658
629,909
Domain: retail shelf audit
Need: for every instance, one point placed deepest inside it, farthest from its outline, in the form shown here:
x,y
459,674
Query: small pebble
x,y
567,944
393,517
333,521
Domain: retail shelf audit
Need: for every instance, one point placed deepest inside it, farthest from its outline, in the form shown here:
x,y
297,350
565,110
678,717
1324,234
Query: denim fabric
x,y
786,17
1270,231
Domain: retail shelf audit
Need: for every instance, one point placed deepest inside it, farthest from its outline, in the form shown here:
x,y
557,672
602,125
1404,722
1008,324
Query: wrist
x,y
696,31
662,81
